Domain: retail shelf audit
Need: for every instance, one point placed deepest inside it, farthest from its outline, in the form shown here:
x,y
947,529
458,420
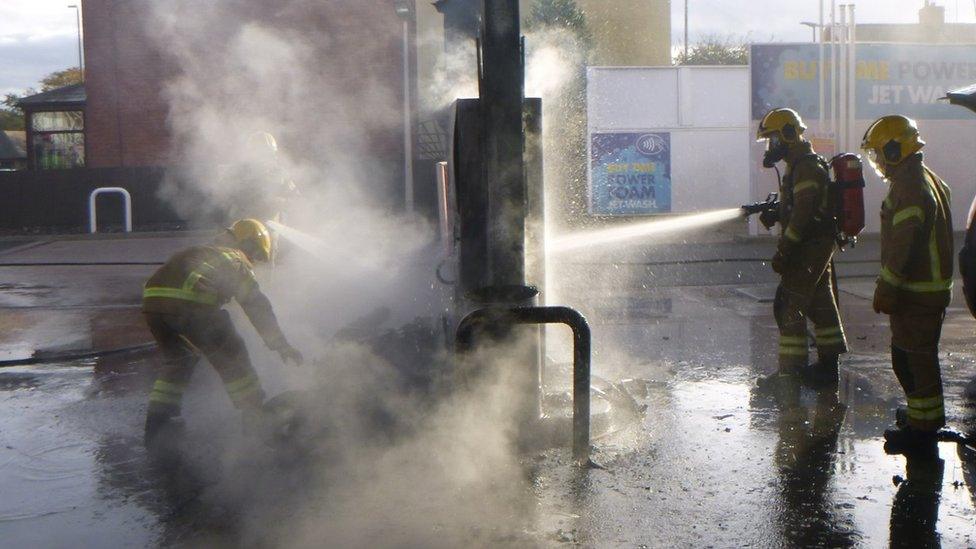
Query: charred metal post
x,y
477,320
496,163
502,91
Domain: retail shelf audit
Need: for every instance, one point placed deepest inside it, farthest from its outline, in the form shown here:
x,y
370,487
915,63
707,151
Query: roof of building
x,y
67,95
11,145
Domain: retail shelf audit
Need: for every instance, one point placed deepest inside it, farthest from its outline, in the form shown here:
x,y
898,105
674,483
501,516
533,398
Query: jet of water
x,y
582,239
303,240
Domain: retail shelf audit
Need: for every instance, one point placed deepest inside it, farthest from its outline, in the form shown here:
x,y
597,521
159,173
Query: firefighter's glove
x,y
291,354
769,218
885,298
780,259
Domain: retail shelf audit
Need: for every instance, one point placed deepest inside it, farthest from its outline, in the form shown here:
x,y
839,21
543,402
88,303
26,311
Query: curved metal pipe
x,y
582,344
92,214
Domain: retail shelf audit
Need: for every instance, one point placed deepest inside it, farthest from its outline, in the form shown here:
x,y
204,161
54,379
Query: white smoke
x,y
449,465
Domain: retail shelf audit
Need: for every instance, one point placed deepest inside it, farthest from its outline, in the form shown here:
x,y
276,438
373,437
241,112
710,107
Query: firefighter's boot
x,y
823,374
163,432
257,425
911,442
901,417
782,386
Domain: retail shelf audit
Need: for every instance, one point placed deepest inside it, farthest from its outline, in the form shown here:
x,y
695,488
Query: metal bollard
x,y
581,356
92,215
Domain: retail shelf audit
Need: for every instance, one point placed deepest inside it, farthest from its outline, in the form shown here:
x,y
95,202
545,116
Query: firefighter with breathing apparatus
x,y
915,285
803,254
183,306
263,189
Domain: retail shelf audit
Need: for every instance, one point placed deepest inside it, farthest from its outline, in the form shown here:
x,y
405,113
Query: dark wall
x,y
58,199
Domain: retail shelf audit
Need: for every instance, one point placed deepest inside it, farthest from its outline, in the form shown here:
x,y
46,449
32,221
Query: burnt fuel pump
x,y
496,171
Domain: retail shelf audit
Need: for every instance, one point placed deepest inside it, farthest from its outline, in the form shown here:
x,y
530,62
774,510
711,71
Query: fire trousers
x,y
806,292
915,334
183,338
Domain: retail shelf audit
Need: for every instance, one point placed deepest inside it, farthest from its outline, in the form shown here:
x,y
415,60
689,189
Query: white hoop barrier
x,y
92,216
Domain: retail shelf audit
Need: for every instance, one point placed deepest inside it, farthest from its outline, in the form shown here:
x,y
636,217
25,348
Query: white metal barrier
x,y
92,216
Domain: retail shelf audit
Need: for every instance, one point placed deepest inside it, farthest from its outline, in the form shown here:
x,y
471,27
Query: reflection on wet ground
x,y
709,462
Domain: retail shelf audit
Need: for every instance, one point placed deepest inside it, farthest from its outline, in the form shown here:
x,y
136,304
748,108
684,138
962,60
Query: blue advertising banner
x,y
630,173
905,79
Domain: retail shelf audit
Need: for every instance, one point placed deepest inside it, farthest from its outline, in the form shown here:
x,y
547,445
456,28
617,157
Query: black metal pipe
x,y
464,342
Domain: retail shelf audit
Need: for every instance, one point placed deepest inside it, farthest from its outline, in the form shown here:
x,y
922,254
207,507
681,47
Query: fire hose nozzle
x,y
770,204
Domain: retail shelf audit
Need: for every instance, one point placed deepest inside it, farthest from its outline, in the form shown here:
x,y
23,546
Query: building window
x,y
58,139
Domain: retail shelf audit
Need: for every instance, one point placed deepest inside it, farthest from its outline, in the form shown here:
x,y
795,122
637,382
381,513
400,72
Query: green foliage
x,y
715,50
11,120
60,79
12,117
558,14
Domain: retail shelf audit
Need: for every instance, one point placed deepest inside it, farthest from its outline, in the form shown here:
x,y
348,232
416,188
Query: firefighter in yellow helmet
x,y
264,189
915,285
182,303
803,254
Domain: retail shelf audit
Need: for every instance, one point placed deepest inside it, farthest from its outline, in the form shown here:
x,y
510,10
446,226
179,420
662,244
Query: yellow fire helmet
x,y
785,122
253,238
261,147
890,140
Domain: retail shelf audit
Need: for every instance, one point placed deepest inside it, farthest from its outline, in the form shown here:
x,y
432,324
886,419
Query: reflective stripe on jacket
x,y
805,199
199,276
916,234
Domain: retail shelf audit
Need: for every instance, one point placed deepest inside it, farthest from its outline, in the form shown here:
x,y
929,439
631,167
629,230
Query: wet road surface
x,y
708,463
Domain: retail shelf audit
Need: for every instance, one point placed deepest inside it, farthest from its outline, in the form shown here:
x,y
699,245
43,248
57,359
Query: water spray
x,y
575,241
303,240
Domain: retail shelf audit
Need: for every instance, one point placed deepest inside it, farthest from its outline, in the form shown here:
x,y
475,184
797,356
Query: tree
x,y
559,14
60,79
715,50
11,121
12,117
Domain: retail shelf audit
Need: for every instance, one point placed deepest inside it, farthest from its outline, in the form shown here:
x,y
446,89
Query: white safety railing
x,y
92,216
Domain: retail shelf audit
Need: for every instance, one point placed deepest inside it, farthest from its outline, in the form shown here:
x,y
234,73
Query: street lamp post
x,y
81,64
405,11
813,26
686,30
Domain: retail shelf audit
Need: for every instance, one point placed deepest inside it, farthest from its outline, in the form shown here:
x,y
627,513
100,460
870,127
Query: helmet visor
x,y
872,155
772,141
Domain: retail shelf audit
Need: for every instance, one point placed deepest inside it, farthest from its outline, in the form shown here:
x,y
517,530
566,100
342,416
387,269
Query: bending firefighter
x,y
803,253
915,285
182,303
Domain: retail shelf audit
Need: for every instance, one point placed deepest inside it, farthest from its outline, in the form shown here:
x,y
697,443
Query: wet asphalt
x,y
688,454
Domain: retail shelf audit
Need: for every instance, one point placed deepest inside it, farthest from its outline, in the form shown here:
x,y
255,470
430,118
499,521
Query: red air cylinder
x,y
849,182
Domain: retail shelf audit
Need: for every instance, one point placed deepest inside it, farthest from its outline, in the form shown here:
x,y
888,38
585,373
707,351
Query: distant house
x,y
13,150
55,123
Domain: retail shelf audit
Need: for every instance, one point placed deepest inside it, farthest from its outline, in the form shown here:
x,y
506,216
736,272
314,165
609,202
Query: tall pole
x,y
686,30
502,97
821,70
407,128
851,80
81,64
833,71
842,82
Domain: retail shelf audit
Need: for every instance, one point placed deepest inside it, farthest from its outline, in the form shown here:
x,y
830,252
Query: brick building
x,y
132,134
127,72
124,74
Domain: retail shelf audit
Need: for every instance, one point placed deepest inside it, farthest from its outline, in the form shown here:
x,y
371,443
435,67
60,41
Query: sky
x,y
779,20
38,37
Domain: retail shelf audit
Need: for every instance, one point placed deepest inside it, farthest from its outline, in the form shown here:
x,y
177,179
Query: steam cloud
x,y
393,468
